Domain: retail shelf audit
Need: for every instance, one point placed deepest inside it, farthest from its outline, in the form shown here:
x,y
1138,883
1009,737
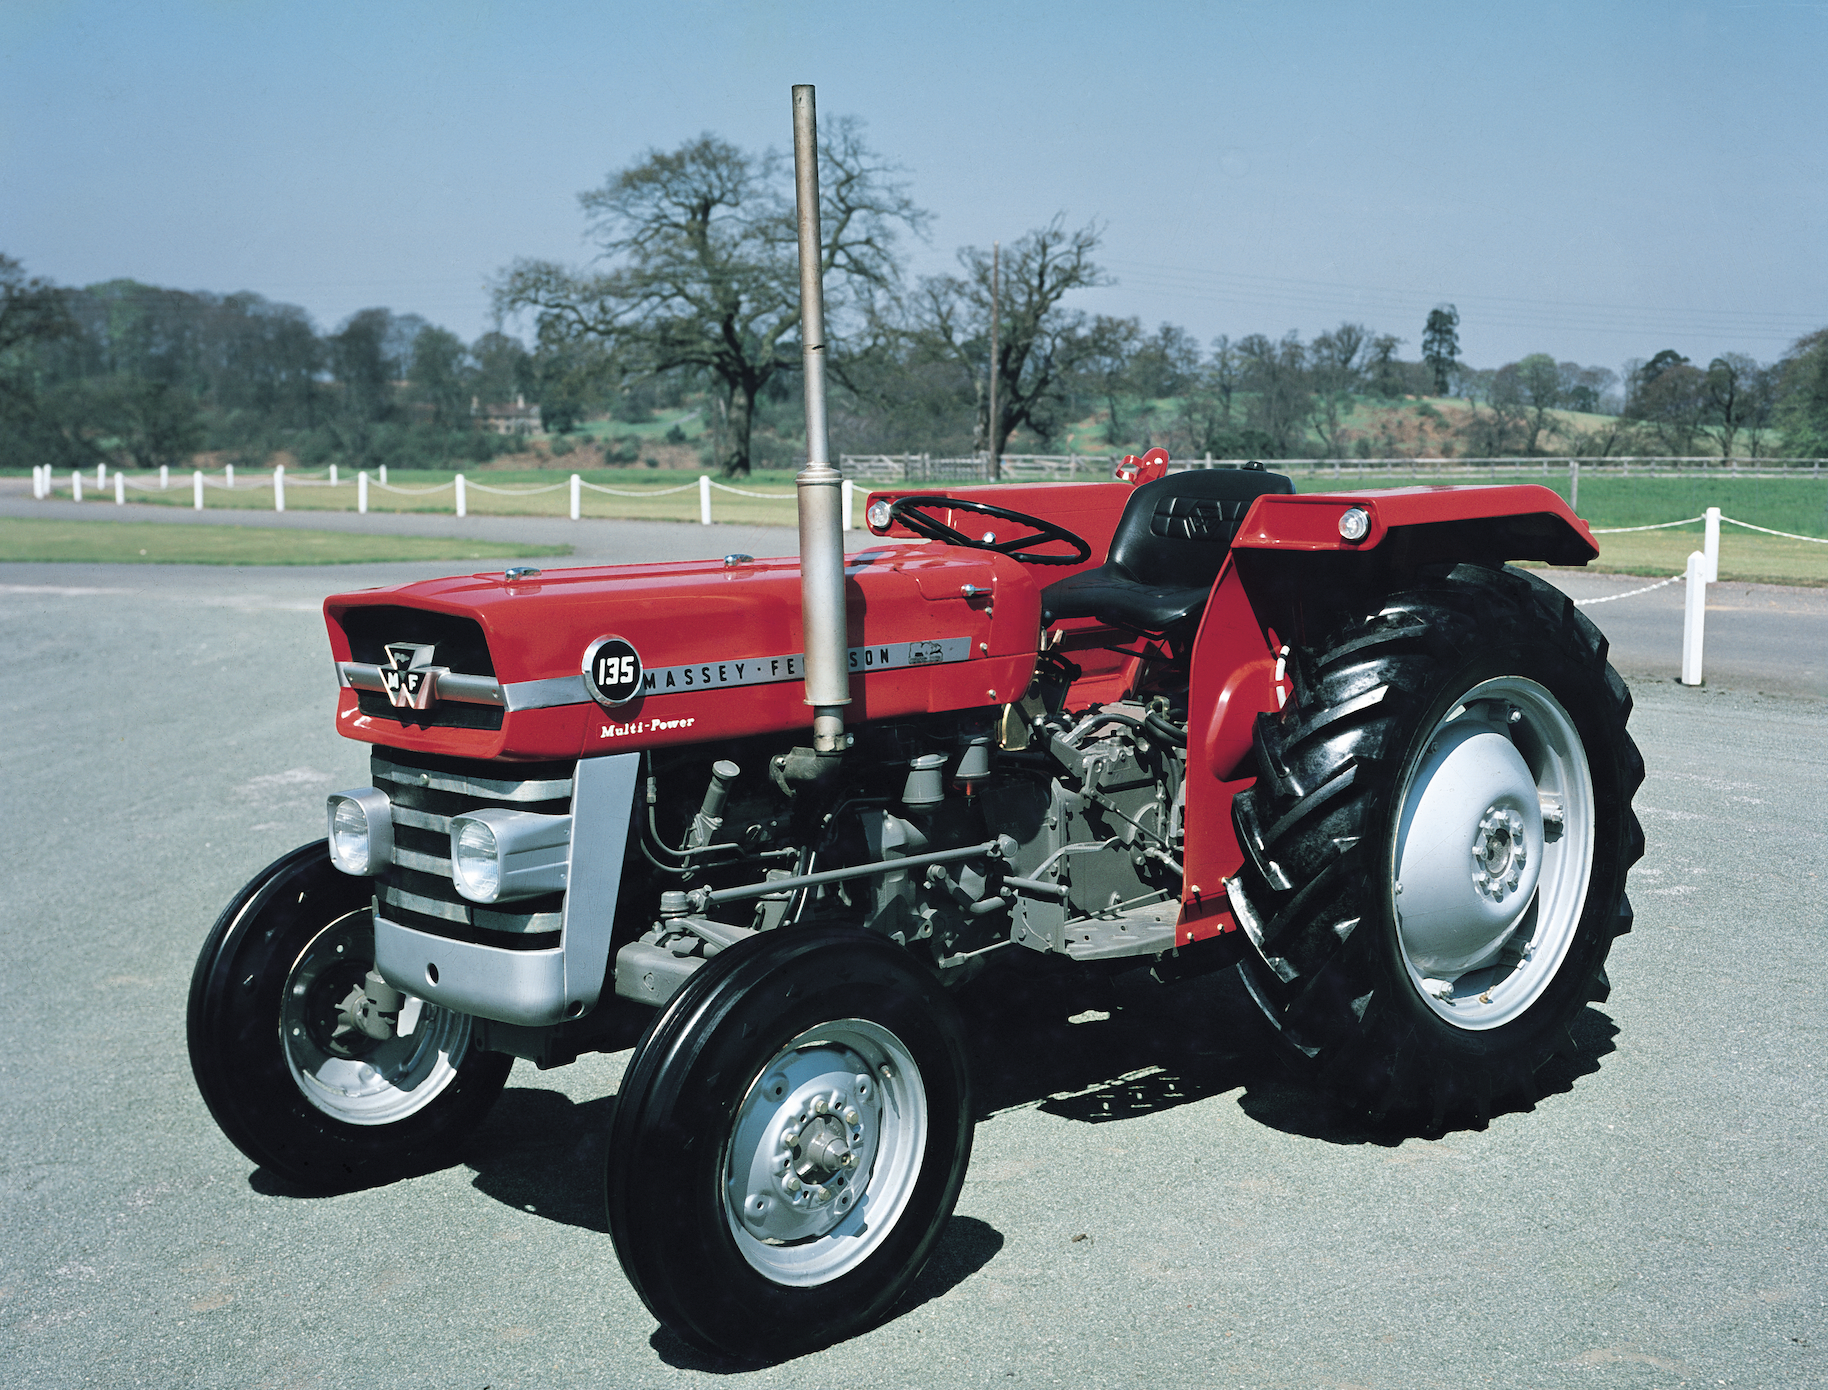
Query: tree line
x,y
693,295
149,376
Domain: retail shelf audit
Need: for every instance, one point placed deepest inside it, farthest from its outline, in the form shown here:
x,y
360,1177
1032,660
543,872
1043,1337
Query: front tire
x,y
292,1085
789,1142
1438,842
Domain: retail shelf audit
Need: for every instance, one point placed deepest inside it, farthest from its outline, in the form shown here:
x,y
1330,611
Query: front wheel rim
x,y
825,1152
352,1078
1455,889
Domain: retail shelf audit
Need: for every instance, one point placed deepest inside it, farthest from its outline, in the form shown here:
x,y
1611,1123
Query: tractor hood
x,y
575,662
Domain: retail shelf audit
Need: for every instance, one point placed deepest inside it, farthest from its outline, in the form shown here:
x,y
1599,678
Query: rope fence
x,y
1702,569
44,484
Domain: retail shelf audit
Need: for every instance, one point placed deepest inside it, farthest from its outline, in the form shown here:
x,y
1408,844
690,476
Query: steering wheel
x,y
907,510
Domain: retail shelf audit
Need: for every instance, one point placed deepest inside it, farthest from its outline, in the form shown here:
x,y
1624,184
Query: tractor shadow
x,y
542,1153
966,1247
1103,1050
1095,1050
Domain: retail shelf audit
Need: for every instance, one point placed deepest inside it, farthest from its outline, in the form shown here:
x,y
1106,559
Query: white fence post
x,y
1694,618
76,485
850,505
279,487
1574,486
361,492
164,476
333,475
120,489
196,489
1710,545
101,476
383,475
228,474
576,484
704,500
463,508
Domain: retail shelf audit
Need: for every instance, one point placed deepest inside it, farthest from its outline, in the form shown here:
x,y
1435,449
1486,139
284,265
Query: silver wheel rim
x,y
825,1151
1492,853
353,1078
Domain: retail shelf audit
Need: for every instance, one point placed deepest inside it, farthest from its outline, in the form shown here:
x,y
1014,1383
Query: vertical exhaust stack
x,y
819,484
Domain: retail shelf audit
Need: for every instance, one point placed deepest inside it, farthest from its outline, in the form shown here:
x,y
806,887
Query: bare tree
x,y
697,268
1043,346
1540,392
1728,399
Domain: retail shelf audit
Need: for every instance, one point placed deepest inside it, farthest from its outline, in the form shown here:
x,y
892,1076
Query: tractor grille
x,y
458,644
416,889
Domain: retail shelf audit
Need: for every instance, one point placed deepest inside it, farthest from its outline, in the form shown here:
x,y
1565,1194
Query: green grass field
x,y
155,543
1798,504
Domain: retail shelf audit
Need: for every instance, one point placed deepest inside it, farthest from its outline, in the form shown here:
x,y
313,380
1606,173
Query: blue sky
x,y
1597,181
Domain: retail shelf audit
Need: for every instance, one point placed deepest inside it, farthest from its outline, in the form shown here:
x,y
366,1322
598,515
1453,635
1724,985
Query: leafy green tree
x,y
1441,345
1667,394
156,422
697,269
1802,395
1388,376
1275,373
440,377
504,369
364,367
34,317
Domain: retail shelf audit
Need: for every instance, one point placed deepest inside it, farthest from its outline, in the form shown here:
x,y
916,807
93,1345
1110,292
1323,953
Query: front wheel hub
x,y
825,1151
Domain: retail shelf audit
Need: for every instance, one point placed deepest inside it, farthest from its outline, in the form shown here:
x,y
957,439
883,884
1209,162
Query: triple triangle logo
x,y
409,676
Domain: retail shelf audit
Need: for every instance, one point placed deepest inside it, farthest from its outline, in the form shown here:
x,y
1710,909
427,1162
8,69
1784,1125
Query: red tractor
x,y
763,816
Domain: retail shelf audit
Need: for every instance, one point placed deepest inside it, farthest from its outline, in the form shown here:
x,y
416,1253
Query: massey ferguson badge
x,y
759,819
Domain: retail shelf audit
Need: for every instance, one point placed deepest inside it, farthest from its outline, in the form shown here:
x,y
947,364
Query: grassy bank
x,y
153,543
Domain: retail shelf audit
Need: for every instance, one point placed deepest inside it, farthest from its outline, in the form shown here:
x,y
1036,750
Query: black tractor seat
x,y
1169,545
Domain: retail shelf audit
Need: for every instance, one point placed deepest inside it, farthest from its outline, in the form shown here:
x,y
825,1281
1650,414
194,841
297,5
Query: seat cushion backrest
x,y
1175,531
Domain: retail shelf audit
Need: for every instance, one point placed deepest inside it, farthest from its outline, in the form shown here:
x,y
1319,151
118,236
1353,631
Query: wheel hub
x,y
1500,853
342,1070
1473,791
1494,840
824,1151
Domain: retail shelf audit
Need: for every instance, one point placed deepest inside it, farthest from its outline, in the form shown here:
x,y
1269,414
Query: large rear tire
x,y
789,1142
292,1085
1437,844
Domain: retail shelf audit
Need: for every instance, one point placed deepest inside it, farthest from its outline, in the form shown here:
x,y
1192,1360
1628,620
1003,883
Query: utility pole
x,y
996,280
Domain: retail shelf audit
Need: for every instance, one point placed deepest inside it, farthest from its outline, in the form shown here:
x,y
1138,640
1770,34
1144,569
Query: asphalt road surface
x,y
1152,1201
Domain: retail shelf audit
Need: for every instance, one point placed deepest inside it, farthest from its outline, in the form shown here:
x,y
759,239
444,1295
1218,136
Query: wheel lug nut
x,y
820,1105
852,1116
792,1183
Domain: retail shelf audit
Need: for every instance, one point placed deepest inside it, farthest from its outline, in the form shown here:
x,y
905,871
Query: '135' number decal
x,y
612,670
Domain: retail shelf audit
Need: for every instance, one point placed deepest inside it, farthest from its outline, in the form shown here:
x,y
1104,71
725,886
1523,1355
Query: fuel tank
x,y
538,666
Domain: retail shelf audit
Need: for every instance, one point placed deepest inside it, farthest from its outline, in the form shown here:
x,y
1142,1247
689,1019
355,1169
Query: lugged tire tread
x,y
1360,1040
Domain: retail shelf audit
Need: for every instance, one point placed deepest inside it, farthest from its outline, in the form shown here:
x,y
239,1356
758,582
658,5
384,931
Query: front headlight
x,y
474,865
498,854
361,831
